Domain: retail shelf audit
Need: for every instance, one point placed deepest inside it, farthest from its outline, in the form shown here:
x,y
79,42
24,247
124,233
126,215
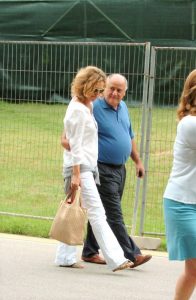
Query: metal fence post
x,y
148,132
143,125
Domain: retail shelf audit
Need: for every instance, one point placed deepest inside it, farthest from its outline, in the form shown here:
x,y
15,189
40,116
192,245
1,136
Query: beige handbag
x,y
69,223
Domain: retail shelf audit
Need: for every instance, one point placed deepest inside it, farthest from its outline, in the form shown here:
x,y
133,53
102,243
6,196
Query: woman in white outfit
x,y
180,193
80,164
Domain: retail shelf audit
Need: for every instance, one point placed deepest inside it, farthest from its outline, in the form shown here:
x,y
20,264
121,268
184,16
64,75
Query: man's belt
x,y
111,165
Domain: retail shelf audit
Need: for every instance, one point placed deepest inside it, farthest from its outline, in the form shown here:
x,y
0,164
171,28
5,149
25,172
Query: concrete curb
x,y
148,243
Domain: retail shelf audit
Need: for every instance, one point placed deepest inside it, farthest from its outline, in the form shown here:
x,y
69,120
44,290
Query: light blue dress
x,y
180,221
180,194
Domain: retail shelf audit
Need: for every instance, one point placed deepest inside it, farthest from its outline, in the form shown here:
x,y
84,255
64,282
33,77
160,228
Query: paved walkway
x,y
27,272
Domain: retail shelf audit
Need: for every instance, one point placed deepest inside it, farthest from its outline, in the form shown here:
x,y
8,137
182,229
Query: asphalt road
x,y
27,272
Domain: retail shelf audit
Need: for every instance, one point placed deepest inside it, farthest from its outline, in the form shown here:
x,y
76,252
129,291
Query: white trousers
x,y
112,252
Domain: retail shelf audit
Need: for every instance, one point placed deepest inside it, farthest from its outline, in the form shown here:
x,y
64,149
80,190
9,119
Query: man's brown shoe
x,y
95,259
141,259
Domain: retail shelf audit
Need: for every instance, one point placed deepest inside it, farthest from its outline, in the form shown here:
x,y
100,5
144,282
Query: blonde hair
x,y
187,104
85,80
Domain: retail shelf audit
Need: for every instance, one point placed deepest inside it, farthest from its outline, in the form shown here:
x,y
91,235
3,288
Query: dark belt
x,y
111,165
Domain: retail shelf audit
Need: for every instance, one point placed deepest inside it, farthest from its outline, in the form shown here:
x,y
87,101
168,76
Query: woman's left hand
x,y
75,183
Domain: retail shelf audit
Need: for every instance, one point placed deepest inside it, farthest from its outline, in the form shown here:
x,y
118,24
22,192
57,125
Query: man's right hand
x,y
65,142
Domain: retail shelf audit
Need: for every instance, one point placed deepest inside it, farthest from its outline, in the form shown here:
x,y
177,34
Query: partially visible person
x,y
116,144
80,167
180,193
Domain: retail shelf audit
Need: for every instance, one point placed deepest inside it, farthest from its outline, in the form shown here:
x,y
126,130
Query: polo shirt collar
x,y
106,105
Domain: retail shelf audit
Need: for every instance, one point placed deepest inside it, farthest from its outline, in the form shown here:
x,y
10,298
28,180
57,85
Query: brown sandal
x,y
127,264
75,265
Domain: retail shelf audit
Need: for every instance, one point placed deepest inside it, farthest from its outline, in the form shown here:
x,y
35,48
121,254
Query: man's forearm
x,y
134,153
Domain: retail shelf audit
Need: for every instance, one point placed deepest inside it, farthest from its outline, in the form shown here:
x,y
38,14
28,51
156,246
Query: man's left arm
x,y
140,172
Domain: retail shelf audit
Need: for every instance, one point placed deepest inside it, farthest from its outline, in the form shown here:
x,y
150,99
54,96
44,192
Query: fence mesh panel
x,y
35,80
169,68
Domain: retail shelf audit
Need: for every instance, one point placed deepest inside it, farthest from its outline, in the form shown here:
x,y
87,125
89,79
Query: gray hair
x,y
123,77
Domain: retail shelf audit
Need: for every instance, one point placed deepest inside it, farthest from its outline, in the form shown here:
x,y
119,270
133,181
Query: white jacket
x,y
182,181
81,131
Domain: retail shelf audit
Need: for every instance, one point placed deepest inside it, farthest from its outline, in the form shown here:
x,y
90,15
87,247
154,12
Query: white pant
x,y
66,255
112,252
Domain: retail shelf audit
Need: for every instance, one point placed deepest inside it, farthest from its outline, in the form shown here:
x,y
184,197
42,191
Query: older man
x,y
116,144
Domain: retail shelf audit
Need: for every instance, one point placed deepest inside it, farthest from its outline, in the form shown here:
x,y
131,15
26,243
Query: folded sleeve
x,y
74,128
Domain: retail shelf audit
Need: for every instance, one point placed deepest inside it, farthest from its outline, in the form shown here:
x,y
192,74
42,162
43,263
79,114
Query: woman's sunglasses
x,y
98,91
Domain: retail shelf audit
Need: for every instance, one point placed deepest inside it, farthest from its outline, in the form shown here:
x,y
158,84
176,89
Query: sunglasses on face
x,y
98,91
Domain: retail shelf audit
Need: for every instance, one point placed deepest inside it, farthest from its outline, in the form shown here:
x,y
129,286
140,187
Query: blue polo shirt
x,y
114,132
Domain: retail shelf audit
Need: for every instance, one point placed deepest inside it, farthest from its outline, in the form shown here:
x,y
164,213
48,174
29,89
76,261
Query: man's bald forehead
x,y
118,77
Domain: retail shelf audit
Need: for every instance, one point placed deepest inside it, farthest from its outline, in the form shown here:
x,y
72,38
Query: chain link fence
x,y
35,80
169,67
